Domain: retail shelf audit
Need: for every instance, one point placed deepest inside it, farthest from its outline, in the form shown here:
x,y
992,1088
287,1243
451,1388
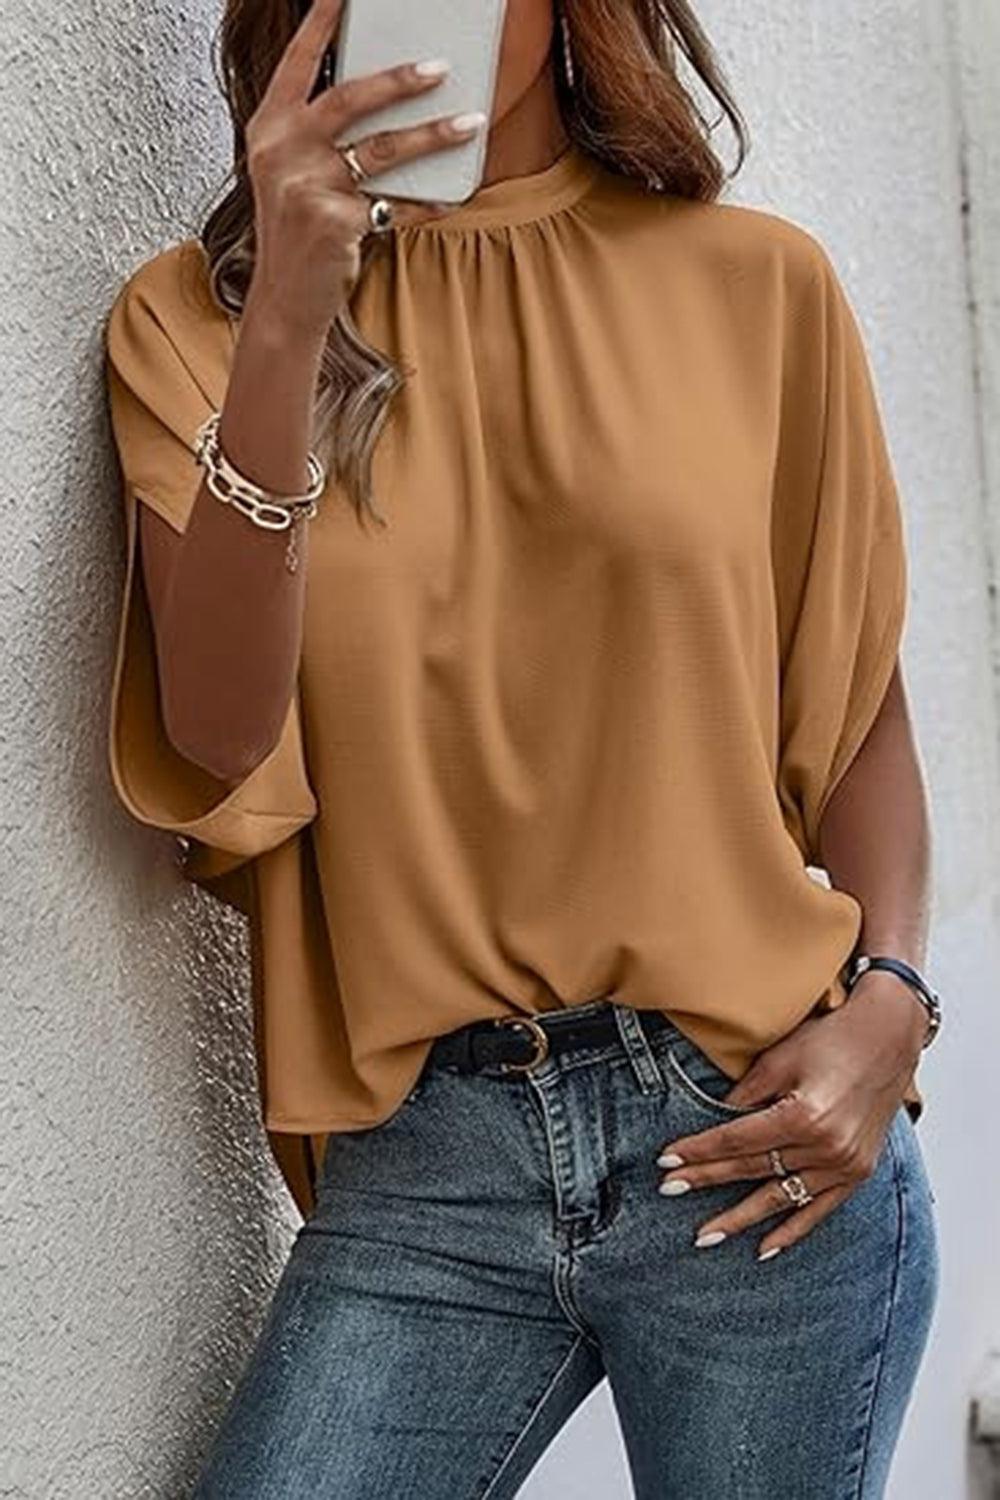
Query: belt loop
x,y
637,1049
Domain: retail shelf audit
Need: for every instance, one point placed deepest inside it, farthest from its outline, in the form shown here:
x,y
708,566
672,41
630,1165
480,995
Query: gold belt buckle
x,y
541,1043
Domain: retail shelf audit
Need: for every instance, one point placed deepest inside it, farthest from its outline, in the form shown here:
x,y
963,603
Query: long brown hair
x,y
629,108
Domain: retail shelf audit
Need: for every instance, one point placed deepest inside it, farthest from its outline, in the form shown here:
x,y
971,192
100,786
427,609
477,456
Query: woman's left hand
x,y
834,1085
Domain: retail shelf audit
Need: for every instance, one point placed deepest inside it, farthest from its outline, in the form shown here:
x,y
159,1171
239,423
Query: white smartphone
x,y
376,34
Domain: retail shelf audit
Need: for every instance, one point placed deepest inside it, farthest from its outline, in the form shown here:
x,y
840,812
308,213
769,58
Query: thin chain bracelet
x,y
265,508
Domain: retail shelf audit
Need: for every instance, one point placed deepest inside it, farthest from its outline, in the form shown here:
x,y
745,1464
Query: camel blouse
x,y
567,726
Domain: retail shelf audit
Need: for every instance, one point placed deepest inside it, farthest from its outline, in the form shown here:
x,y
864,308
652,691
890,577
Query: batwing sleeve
x,y
167,346
838,550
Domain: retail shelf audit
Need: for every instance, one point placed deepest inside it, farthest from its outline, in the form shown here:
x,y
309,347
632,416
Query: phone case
x,y
376,34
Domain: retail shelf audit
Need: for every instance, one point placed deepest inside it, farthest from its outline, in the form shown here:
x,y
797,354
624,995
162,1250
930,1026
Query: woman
x,y
518,748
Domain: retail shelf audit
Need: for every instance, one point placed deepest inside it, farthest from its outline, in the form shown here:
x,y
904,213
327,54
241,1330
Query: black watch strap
x,y
928,998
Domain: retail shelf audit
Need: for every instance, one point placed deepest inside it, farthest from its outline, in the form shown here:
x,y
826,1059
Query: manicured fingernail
x,y
432,67
670,1159
471,121
710,1237
671,1186
770,1254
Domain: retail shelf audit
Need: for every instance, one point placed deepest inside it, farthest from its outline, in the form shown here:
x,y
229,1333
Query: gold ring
x,y
350,156
795,1190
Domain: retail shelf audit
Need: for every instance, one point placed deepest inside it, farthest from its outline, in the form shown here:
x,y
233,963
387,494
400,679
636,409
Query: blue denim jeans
x,y
478,1262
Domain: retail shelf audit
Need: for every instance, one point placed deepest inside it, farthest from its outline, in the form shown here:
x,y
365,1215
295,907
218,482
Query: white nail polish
x,y
670,1159
675,1186
710,1237
471,121
432,67
770,1254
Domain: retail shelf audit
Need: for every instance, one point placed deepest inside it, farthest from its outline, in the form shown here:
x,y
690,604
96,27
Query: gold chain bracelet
x,y
265,508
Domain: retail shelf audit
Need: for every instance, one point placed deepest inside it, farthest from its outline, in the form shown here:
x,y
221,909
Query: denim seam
x,y
585,1058
858,1491
534,1413
562,1293
532,1112
635,1044
550,1144
701,1096
562,1270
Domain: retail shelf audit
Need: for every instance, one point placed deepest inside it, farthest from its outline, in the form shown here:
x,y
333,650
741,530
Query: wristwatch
x,y
929,999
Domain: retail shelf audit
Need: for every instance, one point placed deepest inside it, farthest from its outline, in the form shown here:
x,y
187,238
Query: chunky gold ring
x,y
795,1190
778,1166
380,215
351,161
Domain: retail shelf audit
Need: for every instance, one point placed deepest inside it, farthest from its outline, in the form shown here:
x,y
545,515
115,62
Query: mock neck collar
x,y
516,200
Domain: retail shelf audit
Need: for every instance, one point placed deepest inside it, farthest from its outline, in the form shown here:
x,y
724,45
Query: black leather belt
x,y
518,1043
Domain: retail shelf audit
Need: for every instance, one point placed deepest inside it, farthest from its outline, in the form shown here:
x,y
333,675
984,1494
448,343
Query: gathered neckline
x,y
518,200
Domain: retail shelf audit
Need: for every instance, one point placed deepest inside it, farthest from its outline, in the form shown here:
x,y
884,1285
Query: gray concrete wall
x,y
142,1222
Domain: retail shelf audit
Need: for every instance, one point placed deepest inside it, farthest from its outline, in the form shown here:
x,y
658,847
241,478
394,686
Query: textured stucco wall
x,y
142,1221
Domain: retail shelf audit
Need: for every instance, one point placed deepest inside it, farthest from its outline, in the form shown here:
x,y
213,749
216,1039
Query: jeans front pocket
x,y
700,1079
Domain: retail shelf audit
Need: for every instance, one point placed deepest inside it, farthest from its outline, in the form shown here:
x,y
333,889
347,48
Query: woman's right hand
x,y
309,217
